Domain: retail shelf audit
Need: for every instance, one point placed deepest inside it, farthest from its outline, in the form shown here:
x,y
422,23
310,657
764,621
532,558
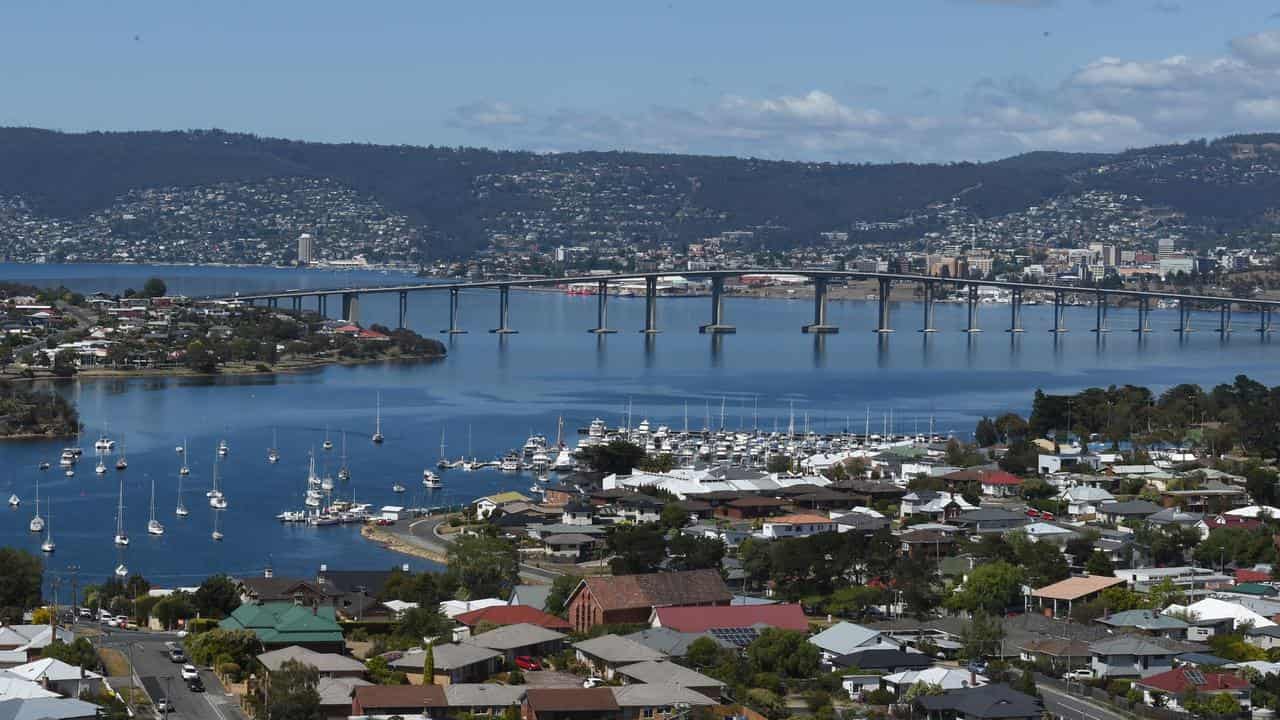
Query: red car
x,y
525,662
1046,515
1033,513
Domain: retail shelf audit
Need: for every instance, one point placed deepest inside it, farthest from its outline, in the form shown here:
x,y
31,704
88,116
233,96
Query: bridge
x,y
821,279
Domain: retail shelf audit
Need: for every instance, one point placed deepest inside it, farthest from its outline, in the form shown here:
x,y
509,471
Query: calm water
x,y
493,392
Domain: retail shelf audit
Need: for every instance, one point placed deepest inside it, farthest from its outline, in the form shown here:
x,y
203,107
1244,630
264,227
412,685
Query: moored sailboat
x,y
48,546
377,422
153,525
37,522
121,538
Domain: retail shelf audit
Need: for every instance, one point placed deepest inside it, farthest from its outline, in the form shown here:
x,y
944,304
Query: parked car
x,y
1079,674
195,684
526,662
978,667
189,671
86,613
177,655
592,682
163,705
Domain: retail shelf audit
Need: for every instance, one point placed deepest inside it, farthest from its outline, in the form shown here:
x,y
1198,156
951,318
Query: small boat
x,y
180,449
181,510
122,462
48,546
122,571
122,538
37,523
510,464
101,467
217,534
70,472
397,488
377,423
217,500
44,466
103,444
536,489
14,501
218,503
292,516
431,480
153,525
67,458
184,470
327,444
344,473
273,455
223,449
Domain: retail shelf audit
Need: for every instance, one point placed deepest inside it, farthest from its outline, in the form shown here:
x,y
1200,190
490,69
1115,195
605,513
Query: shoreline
x,y
389,541
242,370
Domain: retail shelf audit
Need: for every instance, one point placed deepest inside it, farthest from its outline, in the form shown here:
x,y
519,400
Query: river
x,y
492,392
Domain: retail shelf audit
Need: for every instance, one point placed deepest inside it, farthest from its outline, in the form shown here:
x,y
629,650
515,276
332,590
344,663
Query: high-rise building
x,y
306,249
1165,248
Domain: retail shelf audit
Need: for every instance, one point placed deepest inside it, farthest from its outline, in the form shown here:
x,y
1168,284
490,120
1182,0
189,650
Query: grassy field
x,y
115,662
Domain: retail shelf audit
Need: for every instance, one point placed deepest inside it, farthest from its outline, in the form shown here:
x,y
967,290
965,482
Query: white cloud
x,y
1109,104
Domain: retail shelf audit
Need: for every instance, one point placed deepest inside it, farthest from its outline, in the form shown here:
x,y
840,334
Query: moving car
x,y
177,655
163,705
195,684
189,671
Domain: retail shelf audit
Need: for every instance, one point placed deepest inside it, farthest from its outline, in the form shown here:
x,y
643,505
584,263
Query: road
x,y
83,320
153,669
1074,707
423,533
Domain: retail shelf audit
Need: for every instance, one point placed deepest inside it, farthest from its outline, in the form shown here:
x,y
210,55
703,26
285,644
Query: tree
x,y
421,623
561,588
778,464
1042,563
23,575
688,552
171,608
637,549
200,359
985,434
293,694
216,597
703,653
241,646
1099,564
154,287
785,652
990,588
757,561
483,566
429,666
616,457
380,672
982,636
673,516
920,689
79,653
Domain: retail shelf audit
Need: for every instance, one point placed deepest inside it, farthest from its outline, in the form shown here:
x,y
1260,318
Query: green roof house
x,y
281,624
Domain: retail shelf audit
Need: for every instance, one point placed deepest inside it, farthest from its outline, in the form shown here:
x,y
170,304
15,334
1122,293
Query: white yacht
x,y
122,538
48,546
540,462
44,466
122,571
101,467
377,423
217,500
217,534
327,444
509,464
14,501
223,449
431,480
273,455
564,461
184,470
122,462
153,525
68,458
70,472
344,472
37,522
397,488
104,444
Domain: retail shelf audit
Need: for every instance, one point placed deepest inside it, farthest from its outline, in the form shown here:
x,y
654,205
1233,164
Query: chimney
x,y
315,608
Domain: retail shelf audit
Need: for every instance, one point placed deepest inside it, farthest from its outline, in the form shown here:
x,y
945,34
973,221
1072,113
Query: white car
x,y
592,682
1080,674
189,671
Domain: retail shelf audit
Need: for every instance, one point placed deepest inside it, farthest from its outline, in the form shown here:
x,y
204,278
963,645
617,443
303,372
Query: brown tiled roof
x,y
756,501
571,699
691,587
371,699
925,536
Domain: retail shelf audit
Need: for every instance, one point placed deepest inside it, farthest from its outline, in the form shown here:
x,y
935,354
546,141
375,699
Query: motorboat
x,y
122,571
509,464
327,444
216,534
292,516
122,462
70,472
101,467
67,458
44,466
223,449
218,502
397,488
431,480
103,444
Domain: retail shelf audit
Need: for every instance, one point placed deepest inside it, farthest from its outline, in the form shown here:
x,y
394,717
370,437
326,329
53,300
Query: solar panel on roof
x,y
739,636
1194,675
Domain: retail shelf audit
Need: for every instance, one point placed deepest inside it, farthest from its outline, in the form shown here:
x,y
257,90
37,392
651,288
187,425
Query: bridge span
x,y
821,280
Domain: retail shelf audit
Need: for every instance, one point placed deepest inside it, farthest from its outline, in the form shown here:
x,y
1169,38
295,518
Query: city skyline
x,y
939,81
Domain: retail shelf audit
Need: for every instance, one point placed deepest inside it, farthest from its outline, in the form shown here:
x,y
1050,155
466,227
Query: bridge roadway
x,y
820,278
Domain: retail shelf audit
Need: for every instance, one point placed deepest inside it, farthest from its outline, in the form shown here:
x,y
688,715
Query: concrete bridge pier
x,y
651,305
351,307
1224,318
882,323
1144,312
297,303
1184,318
1100,306
1264,319
928,309
973,311
453,328
404,309
322,305
504,293
1015,311
717,324
1058,304
602,309
273,303
819,325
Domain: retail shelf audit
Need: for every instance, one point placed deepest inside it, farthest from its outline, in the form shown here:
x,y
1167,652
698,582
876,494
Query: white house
x,y
1083,501
800,525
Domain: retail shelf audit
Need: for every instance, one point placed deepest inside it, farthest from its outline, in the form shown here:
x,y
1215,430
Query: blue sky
x,y
858,80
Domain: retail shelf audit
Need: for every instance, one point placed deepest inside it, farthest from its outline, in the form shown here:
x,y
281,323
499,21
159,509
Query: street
x,y
157,673
1074,707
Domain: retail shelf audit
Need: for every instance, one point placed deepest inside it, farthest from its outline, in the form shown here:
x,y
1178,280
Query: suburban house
x,y
1057,599
1118,512
1147,622
673,643
657,702
665,672
24,643
486,505
1057,653
935,505
884,660
798,525
1129,656
607,653
1083,501
846,637
454,663
520,639
281,624
632,598
1000,484
327,664
335,695
1177,683
989,702
786,616
989,520
944,677
403,700
299,591
569,704
483,699
60,677
514,614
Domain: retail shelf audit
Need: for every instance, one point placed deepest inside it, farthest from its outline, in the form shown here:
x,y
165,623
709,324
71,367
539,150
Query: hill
x,y
120,190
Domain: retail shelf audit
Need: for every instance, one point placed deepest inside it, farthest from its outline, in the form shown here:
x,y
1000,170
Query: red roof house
x,y
513,615
787,616
999,483
1252,576
1173,684
631,598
